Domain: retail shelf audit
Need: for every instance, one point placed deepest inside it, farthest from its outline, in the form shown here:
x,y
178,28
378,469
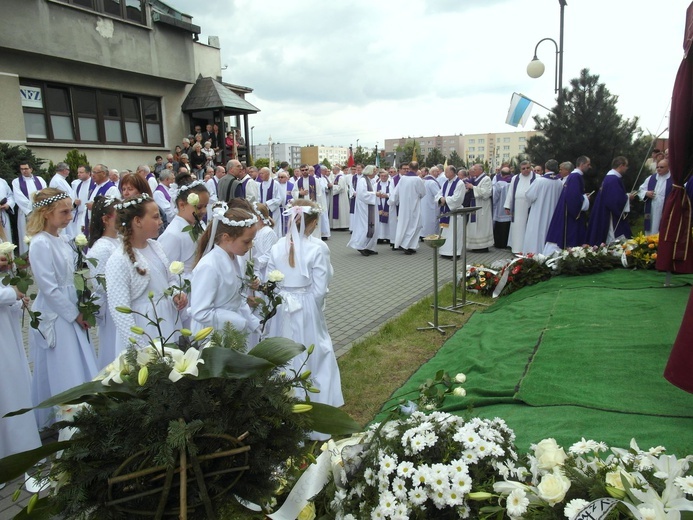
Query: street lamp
x,y
536,68
252,140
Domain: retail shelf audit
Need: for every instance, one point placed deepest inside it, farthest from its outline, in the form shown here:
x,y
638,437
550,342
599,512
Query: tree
x,y
10,158
325,162
362,156
588,123
434,157
262,162
408,151
74,160
455,159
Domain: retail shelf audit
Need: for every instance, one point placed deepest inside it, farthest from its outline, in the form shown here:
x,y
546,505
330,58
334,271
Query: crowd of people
x,y
215,218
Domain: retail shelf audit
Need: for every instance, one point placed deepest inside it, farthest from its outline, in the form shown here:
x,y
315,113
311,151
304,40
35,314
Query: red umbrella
x,y
674,252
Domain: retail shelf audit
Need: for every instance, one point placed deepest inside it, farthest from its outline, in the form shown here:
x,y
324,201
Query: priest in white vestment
x,y
339,216
365,221
429,206
517,206
542,197
654,191
23,188
407,195
479,189
271,196
449,198
59,182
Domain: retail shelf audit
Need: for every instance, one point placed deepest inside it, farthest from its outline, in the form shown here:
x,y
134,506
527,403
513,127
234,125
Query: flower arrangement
x,y
579,260
17,274
639,252
196,229
481,280
521,272
268,305
168,431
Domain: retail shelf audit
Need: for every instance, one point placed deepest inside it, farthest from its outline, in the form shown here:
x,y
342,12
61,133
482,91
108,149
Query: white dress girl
x,y
61,352
217,295
301,316
18,433
262,245
101,251
127,288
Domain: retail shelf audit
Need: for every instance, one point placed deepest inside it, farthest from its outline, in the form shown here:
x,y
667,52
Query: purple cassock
x,y
607,210
567,228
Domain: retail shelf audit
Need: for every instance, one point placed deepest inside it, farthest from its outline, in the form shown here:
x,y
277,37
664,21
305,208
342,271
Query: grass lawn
x,y
380,364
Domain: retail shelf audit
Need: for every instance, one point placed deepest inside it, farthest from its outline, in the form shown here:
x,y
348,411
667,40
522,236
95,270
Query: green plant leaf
x,y
277,350
44,509
79,282
16,465
228,363
82,394
333,421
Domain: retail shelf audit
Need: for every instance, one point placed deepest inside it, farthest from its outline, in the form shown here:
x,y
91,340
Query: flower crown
x,y
186,187
109,201
307,210
219,213
139,200
265,220
50,200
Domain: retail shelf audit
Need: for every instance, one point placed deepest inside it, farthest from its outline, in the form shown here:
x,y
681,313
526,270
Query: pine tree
x,y
588,123
434,157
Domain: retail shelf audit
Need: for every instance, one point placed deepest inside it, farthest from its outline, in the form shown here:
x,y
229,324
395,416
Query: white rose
x,y
275,276
81,240
27,239
193,199
460,378
459,391
549,454
6,248
176,267
553,487
614,479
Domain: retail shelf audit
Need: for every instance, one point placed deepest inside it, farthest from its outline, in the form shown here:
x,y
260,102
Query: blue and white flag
x,y
519,111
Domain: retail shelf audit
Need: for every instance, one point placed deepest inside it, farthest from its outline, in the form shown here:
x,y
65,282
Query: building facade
x,y
288,152
316,154
107,78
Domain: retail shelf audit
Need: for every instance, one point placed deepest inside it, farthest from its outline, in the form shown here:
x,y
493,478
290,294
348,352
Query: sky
x,y
331,72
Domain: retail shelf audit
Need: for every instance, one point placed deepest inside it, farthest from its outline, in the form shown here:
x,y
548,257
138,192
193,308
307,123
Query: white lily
x,y
149,354
184,363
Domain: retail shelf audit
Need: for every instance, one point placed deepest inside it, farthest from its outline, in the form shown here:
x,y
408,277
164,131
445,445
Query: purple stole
x,y
382,203
504,178
445,221
285,218
512,203
150,175
651,184
371,211
92,184
270,191
335,199
553,176
395,180
240,189
22,185
352,201
470,199
430,177
165,192
311,187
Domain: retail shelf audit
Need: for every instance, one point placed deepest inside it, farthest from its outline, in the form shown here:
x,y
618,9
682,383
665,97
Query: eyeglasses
x,y
304,169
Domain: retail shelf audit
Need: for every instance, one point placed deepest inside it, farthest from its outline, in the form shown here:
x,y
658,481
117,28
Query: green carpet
x,y
574,357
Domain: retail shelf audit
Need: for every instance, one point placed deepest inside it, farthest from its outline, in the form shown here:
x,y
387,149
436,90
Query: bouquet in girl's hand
x,y
18,275
86,299
268,308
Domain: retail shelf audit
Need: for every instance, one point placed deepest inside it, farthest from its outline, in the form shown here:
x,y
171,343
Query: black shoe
x,y
364,252
325,239
409,251
480,250
371,252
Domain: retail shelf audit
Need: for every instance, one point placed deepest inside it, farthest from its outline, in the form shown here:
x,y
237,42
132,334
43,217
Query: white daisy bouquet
x,y
593,481
423,466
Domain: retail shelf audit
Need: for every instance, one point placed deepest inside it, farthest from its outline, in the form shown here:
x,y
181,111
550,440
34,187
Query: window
x,y
482,148
471,148
506,156
506,148
131,10
522,139
472,141
522,148
482,141
63,113
506,139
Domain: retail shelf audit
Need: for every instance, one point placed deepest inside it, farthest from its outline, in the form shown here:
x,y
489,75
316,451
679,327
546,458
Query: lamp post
x,y
536,68
252,141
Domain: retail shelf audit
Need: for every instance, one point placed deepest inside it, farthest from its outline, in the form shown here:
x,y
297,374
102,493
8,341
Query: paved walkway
x,y
365,293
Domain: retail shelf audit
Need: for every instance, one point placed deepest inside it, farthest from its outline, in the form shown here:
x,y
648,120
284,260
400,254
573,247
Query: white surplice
x,y
658,201
480,232
517,189
24,206
365,199
429,208
542,197
407,195
340,190
454,201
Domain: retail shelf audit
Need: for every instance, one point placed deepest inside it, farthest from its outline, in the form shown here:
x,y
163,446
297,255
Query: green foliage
x,y
434,157
455,159
10,158
326,163
74,160
408,151
588,123
362,156
262,162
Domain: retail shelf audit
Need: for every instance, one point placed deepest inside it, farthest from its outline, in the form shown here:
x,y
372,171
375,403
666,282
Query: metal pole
x,y
560,55
454,261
